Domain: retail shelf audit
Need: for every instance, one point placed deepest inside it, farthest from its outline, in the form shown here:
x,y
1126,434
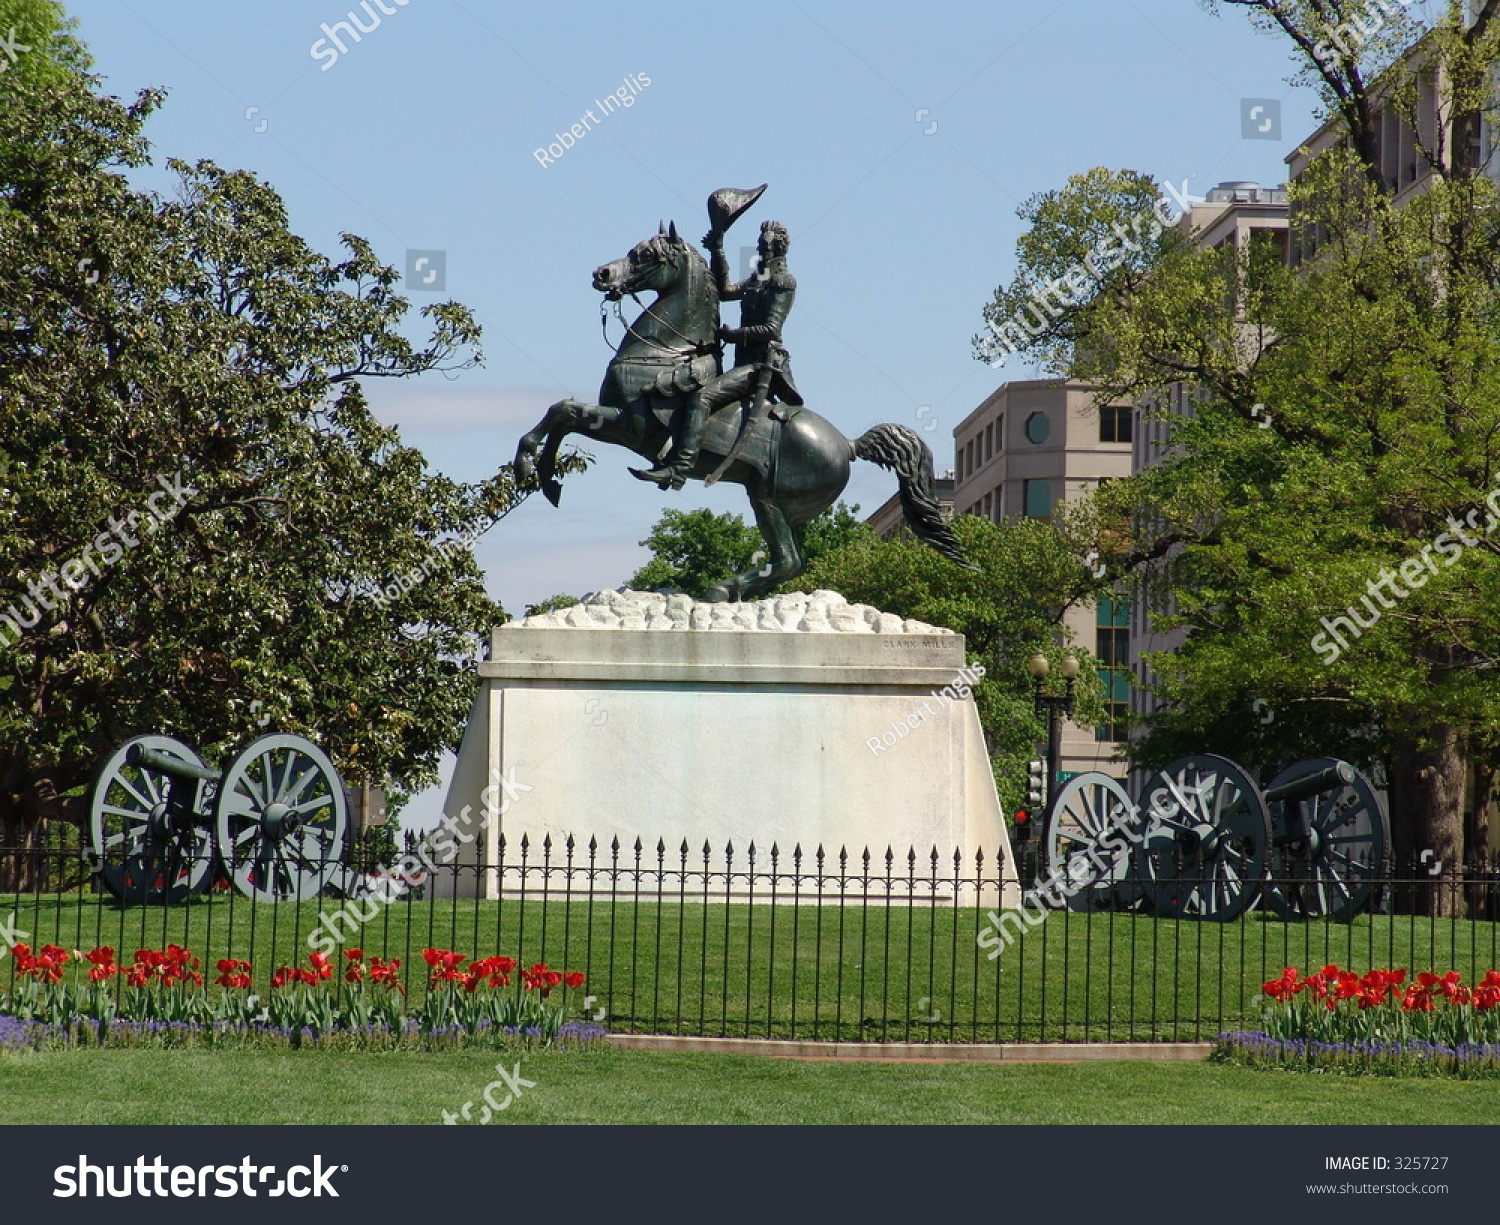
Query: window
x,y
1112,647
989,441
1038,427
1115,423
1038,498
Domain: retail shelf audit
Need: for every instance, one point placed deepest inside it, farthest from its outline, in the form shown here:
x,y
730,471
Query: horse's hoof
x,y
552,491
719,593
525,467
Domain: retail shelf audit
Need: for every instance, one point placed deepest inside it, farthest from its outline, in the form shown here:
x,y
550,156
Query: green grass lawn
x,y
664,964
608,1086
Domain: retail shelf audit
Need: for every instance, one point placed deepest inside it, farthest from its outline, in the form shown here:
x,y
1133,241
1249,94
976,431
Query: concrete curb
x,y
923,1052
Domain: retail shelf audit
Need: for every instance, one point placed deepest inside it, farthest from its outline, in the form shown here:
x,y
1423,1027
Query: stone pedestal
x,y
800,721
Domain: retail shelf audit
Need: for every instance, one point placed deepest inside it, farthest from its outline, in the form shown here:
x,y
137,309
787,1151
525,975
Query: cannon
x,y
1203,841
164,825
1331,840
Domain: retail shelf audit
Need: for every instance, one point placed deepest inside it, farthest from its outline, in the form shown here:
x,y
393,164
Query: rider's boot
x,y
672,472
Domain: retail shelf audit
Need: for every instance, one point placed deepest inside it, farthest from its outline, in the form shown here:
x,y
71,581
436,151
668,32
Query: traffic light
x,y
1036,784
1023,826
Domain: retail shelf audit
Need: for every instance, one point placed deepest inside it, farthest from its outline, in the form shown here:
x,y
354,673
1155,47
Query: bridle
x,y
694,348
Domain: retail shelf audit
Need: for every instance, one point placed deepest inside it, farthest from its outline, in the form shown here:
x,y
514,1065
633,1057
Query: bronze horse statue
x,y
792,469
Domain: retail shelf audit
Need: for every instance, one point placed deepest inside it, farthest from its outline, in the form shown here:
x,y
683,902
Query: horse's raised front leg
x,y
785,562
537,451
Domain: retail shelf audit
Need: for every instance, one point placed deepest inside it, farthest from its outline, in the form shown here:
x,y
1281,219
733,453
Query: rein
x,y
694,348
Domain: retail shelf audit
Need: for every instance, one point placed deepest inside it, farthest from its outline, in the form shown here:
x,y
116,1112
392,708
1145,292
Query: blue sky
x,y
897,140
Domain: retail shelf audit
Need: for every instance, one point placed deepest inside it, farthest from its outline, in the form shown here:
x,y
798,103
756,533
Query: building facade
x,y
1030,446
889,520
1237,216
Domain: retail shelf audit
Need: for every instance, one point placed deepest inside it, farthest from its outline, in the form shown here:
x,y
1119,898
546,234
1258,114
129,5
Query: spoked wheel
x,y
1330,847
1207,844
1085,853
281,817
150,832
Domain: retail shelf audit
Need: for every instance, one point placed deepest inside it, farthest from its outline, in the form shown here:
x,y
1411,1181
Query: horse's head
x,y
655,264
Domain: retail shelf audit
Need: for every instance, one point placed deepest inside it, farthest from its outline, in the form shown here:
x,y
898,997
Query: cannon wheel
x,y
1333,872
143,851
281,816
1084,848
1207,845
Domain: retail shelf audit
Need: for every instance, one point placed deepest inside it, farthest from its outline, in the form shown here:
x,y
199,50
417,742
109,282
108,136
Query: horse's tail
x,y
902,451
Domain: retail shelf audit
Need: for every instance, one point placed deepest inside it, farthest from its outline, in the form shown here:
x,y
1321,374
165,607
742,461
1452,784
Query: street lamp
x,y
1050,707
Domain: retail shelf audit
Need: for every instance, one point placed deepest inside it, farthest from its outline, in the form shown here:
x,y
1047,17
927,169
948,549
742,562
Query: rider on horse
x,y
761,373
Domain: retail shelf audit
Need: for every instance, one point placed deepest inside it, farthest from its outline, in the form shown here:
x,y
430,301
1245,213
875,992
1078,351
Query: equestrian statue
x,y
667,396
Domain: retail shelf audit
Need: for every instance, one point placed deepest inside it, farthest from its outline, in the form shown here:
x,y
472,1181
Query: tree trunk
x,y
30,801
1427,806
1477,833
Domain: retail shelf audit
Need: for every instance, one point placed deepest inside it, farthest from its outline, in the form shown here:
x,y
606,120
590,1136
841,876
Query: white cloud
x,y
433,406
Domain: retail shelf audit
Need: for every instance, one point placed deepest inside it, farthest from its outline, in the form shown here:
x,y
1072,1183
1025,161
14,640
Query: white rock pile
x,y
821,612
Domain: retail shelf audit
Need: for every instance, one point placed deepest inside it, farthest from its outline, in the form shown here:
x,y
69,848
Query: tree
x,y
551,604
1029,575
1342,447
203,531
693,550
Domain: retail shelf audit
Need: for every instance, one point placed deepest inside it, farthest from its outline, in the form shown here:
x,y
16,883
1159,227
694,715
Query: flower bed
x,y
160,999
1374,1023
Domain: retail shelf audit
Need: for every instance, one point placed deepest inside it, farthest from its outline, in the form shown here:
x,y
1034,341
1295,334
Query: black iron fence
x,y
761,942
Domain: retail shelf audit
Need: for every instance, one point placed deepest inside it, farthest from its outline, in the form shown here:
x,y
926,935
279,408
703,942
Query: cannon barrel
x,y
164,763
1312,784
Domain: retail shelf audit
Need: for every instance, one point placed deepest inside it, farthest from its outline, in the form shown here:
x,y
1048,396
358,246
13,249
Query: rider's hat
x,y
726,205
